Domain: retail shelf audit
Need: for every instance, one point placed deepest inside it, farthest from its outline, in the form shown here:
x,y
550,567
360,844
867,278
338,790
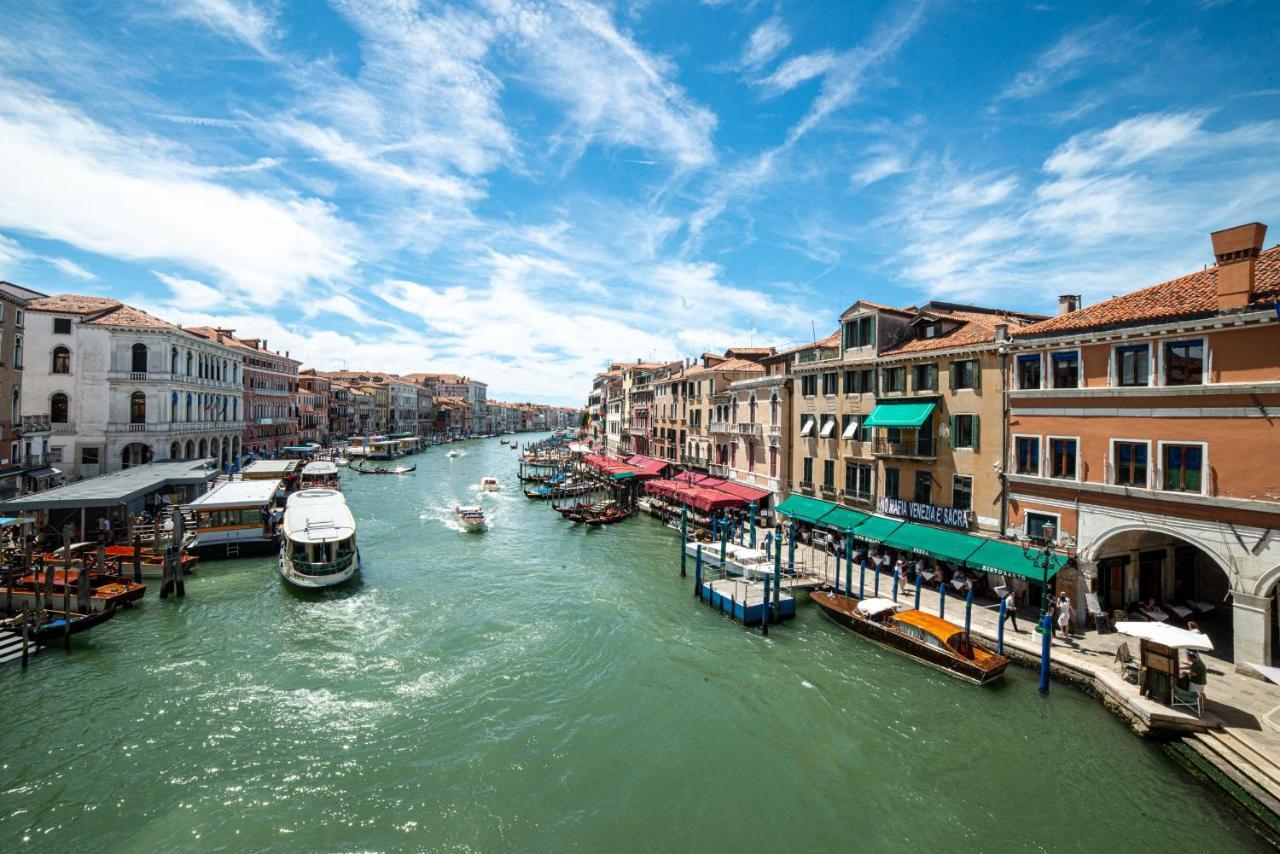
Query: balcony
x,y
720,426
34,424
64,429
638,430
718,470
918,448
747,429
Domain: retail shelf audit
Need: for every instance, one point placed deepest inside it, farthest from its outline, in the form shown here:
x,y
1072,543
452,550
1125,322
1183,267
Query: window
x,y
1026,455
1130,463
828,474
964,374
1183,465
858,381
809,385
891,483
859,332
924,488
964,431
1028,370
17,352
59,407
1184,362
828,426
1065,369
55,454
962,492
830,382
893,379
1062,458
61,360
1133,365
1040,525
857,479
807,478
88,456
851,428
926,377
137,408
806,425
139,359
62,326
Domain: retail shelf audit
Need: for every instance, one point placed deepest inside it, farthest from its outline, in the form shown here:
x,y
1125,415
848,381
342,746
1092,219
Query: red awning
x,y
741,490
648,464
711,499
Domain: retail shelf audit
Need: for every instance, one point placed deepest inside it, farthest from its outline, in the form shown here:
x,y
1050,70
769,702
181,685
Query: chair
x,y
1128,667
1185,699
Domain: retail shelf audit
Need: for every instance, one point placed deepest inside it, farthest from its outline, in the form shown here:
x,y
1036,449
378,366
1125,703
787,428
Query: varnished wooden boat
x,y
606,517
924,637
398,470
105,591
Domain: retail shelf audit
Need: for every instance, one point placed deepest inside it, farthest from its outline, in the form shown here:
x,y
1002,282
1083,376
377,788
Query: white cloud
x,y
766,42
71,268
70,178
1068,58
878,167
241,20
193,295
797,70
11,254
1125,144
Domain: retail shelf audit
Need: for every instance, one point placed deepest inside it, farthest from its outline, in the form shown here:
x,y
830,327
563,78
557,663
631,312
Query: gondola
x,y
607,516
57,628
928,639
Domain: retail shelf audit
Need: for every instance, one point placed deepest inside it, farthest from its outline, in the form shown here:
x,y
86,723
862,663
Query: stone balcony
x,y
34,424
749,428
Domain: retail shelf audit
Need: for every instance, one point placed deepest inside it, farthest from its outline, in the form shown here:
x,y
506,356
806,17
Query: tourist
x,y
899,574
1064,614
1197,673
1011,609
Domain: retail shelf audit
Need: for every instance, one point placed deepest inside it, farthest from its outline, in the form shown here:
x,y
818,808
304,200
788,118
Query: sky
x,y
523,191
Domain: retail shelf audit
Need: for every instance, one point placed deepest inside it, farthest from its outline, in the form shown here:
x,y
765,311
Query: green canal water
x,y
543,687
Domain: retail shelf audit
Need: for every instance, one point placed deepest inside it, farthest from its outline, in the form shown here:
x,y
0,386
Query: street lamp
x,y
1040,552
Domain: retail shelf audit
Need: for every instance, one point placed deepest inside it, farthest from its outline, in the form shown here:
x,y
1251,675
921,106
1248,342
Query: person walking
x,y
1011,609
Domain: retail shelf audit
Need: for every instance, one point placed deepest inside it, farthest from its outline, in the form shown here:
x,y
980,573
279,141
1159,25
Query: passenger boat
x,y
105,590
320,474
924,637
318,547
232,519
489,483
472,518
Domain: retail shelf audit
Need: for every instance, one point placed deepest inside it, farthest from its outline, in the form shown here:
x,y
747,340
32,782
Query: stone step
x,y
1237,769
1264,763
11,647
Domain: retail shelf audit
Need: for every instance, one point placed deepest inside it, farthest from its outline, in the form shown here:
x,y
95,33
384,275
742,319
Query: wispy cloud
x,y
796,71
252,23
72,269
1066,59
766,42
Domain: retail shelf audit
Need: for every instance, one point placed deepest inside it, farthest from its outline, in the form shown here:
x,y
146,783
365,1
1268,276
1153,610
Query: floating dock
x,y
745,601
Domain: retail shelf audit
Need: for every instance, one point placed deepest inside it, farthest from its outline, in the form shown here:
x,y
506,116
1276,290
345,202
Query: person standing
x,y
1011,609
1064,614
1197,674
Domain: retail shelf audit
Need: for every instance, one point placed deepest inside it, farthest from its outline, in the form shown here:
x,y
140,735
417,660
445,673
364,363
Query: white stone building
x,y
122,387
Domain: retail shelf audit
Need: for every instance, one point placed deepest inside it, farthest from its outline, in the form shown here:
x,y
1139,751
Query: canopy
x,y
935,542
1009,559
648,465
842,518
804,509
622,475
850,429
899,414
1271,673
1166,635
828,427
875,529
872,607
807,427
741,490
710,499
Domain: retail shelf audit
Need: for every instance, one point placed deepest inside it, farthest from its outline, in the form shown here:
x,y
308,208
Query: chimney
x,y
1068,303
1236,250
1002,332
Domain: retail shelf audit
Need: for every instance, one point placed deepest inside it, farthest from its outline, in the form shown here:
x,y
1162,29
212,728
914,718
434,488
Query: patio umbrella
x,y
1166,635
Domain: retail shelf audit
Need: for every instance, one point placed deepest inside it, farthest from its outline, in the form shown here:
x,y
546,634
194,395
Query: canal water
x,y
544,687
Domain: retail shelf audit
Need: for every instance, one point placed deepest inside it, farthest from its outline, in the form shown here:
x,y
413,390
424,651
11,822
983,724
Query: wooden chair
x,y
1129,668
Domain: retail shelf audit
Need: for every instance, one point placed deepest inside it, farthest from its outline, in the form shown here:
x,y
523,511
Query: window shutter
x,y
955,433
976,432
977,373
951,376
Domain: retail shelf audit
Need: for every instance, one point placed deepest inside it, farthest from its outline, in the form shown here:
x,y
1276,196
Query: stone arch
x,y
175,451
190,450
1098,543
204,448
138,358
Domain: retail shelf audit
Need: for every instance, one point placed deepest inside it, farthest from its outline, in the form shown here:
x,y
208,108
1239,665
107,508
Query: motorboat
x,y
321,474
234,518
472,518
489,483
924,637
106,590
454,453
318,547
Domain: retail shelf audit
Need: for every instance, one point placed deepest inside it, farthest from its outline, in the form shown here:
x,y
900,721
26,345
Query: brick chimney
x,y
1236,250
1068,303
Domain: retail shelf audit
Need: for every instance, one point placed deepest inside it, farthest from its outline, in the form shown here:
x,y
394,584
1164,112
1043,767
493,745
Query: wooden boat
x,y
152,558
924,637
489,483
56,626
472,518
105,590
607,516
396,470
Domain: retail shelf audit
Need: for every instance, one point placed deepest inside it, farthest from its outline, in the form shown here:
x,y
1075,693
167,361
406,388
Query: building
x,y
342,422
759,412
122,387
24,457
314,393
636,415
669,406
270,391
1141,431
707,429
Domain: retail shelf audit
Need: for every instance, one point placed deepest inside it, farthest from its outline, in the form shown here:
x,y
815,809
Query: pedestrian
x,y
1064,615
1011,609
104,530
1197,674
899,575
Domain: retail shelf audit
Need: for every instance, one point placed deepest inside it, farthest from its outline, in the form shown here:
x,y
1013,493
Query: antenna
x,y
814,330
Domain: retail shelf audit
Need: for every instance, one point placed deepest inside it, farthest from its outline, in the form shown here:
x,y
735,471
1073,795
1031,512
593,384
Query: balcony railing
x,y
906,447
63,429
35,424
747,429
718,470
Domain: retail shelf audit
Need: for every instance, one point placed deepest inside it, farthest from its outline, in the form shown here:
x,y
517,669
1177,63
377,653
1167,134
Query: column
x,y
1251,630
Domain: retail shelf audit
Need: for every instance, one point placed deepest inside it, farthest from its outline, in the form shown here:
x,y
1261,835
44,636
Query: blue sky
x,y
524,190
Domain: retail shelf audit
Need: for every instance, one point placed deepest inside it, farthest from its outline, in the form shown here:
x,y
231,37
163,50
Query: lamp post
x,y
1042,555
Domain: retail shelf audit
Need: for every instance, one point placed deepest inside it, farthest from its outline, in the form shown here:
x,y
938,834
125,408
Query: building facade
x,y
24,463
314,393
270,391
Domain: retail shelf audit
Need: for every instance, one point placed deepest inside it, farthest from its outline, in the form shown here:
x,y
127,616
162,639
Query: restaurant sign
x,y
931,513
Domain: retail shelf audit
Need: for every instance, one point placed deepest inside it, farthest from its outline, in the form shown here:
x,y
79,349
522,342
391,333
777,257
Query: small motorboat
x,y
924,637
607,516
489,483
472,518
454,453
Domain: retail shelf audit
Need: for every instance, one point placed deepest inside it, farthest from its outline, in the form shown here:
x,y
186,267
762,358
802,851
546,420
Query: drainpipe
x,y
1004,440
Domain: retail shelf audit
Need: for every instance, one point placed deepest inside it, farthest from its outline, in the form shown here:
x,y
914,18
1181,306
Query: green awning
x,y
842,519
875,528
899,414
1010,559
805,509
622,475
935,542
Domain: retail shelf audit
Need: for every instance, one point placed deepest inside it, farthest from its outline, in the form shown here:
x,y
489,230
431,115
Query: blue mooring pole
x,y
862,577
724,545
968,610
768,545
753,524
697,573
1000,630
1046,633
876,589
684,538
917,590
895,586
942,601
848,563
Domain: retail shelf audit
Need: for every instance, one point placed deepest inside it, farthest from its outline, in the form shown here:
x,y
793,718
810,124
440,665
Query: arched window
x,y
17,405
173,369
188,363
137,408
751,408
173,408
61,360
139,359
175,450
59,405
188,409
773,409
17,352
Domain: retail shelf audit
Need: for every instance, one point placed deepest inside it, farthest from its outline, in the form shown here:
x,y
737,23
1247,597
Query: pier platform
x,y
744,600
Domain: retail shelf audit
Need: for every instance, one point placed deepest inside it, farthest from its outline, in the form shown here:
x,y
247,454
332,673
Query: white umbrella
x,y
1271,673
1166,635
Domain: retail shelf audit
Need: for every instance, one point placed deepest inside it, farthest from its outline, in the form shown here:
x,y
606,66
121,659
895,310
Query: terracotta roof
x,y
743,365
73,304
127,315
976,328
832,340
1194,295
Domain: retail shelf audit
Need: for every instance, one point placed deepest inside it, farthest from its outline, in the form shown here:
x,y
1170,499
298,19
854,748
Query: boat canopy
x,y
320,468
1166,635
873,607
899,414
318,515
237,493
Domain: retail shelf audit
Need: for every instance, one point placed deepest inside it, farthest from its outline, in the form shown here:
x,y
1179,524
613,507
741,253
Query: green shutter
x,y
951,376
977,373
976,430
955,433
